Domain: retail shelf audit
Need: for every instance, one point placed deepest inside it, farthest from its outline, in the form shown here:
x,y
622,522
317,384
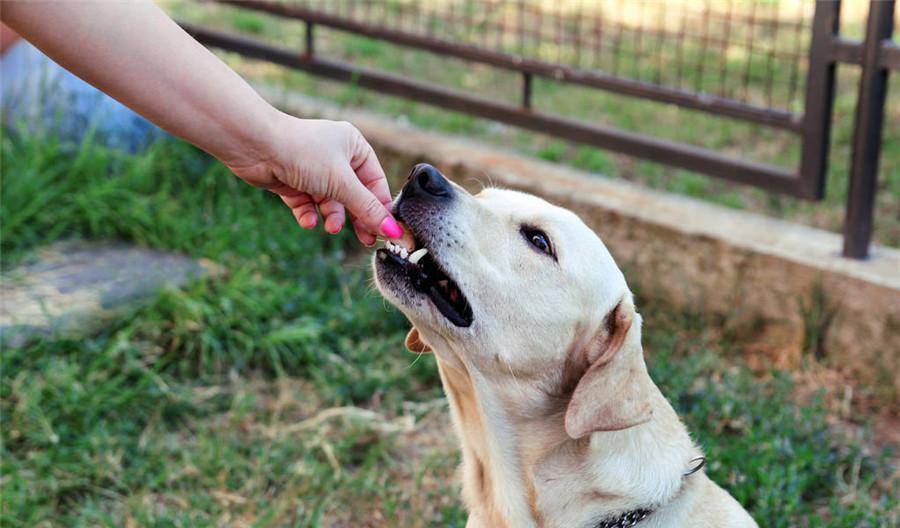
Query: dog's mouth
x,y
426,276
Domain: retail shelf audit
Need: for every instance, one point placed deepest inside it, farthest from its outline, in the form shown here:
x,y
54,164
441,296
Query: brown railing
x,y
685,56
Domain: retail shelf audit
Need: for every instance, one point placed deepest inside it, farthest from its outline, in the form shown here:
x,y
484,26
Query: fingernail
x,y
390,228
333,227
309,221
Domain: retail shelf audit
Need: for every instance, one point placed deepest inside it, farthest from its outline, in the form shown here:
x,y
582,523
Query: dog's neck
x,y
521,469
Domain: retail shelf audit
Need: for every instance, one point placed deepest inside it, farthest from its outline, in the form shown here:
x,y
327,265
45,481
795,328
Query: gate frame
x,y
879,54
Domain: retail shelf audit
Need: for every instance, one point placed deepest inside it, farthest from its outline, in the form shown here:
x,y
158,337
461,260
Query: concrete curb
x,y
784,281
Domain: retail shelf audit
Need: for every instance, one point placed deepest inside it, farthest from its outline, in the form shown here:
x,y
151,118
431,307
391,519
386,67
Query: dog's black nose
x,y
426,180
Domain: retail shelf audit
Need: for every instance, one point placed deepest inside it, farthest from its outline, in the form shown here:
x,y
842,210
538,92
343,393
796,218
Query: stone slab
x,y
73,288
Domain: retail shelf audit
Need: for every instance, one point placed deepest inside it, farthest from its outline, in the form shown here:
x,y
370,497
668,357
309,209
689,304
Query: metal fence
x,y
767,63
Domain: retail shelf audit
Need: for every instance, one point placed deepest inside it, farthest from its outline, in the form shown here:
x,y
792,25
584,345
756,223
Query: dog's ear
x,y
612,394
414,343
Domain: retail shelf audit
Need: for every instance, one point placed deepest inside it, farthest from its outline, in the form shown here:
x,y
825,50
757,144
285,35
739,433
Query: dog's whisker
x,y
479,181
418,357
490,180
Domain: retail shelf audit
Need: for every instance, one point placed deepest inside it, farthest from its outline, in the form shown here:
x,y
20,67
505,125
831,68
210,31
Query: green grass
x,y
666,121
185,411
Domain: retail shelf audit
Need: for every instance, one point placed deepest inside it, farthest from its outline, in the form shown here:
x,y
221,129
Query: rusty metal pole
x,y
867,131
819,99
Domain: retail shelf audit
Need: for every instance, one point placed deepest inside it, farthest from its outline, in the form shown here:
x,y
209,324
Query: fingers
x,y
304,205
367,239
304,208
370,173
359,188
369,210
332,213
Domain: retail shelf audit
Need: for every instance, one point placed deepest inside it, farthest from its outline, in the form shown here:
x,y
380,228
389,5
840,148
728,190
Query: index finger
x,y
370,173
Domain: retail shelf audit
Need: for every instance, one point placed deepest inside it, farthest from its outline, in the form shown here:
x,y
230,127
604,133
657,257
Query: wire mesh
x,y
748,51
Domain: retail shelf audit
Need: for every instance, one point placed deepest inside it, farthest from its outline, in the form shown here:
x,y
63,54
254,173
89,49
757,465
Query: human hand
x,y
143,59
319,166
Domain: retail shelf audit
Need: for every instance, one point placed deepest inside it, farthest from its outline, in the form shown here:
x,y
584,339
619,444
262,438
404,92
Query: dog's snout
x,y
426,181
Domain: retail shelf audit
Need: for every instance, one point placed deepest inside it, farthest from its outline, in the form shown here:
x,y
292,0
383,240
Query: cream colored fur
x,y
558,420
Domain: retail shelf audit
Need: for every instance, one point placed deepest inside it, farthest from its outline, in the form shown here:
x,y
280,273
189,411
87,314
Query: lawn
x,y
727,136
279,394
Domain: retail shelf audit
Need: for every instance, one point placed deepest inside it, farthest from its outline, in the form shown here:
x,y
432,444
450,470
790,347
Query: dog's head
x,y
504,284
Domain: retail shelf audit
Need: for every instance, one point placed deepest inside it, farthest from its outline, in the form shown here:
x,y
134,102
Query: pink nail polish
x,y
390,228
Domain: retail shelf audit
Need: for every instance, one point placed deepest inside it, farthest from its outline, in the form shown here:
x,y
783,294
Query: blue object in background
x,y
37,92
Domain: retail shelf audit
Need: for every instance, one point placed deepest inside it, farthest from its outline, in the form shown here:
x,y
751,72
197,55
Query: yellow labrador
x,y
539,351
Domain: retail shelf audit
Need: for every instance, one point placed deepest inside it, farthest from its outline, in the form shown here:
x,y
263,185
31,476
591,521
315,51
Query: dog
x,y
538,346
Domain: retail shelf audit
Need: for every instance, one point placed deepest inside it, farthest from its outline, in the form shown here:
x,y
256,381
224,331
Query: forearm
x,y
136,54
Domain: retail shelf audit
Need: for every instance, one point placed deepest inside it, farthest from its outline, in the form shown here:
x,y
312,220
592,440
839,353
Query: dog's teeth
x,y
416,255
404,253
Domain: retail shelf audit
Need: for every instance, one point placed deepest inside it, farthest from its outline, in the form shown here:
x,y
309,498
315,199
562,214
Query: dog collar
x,y
631,518
625,520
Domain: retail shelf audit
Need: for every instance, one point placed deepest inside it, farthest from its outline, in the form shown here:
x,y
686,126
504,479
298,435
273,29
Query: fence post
x,y
310,39
867,131
526,90
819,99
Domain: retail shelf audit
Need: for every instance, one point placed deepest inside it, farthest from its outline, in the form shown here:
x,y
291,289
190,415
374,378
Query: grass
x,y
279,394
727,136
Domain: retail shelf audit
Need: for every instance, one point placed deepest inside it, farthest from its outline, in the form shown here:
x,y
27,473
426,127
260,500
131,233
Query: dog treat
x,y
407,241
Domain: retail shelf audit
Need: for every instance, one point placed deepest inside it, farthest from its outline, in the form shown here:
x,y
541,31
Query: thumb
x,y
363,204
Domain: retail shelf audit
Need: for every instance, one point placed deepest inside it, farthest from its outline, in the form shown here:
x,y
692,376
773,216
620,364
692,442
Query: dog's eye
x,y
538,239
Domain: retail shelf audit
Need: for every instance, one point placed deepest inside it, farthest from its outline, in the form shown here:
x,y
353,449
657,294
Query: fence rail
x,y
783,76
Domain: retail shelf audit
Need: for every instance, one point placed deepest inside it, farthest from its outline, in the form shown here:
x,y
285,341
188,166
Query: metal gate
x,y
514,43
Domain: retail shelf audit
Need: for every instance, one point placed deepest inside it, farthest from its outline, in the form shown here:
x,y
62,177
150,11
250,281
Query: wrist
x,y
255,142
